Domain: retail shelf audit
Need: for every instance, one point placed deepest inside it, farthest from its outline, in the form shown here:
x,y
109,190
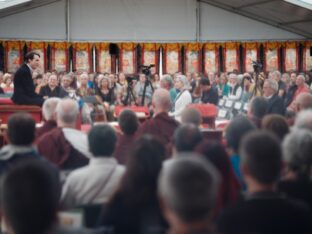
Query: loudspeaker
x,y
311,51
113,49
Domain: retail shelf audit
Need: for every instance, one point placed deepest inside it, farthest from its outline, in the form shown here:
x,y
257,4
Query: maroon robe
x,y
55,148
123,145
46,127
162,126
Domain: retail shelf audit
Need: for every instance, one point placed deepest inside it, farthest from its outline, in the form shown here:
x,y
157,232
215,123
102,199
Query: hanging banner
x,y
59,56
172,58
82,57
104,59
13,55
271,56
150,55
40,48
307,56
127,58
211,58
251,54
231,56
192,59
291,60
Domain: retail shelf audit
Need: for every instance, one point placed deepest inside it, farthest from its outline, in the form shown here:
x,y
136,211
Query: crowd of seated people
x,y
163,175
110,90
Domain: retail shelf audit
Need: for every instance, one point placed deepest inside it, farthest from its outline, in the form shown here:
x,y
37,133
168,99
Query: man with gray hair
x,y
65,146
277,76
166,82
49,115
275,102
297,148
187,188
235,88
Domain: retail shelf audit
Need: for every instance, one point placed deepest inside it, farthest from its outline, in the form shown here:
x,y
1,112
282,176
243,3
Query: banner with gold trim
x,y
307,58
150,54
13,55
127,58
82,56
192,58
104,59
41,48
291,56
59,56
271,56
250,54
171,58
231,58
211,58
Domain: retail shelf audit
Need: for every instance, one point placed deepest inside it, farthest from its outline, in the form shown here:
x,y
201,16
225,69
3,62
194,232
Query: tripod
x,y
146,84
129,96
257,67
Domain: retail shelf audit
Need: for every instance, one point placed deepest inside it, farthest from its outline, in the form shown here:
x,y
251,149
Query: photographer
x,y
139,91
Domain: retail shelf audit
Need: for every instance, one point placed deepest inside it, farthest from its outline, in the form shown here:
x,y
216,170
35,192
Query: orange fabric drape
x,y
59,56
231,63
272,55
211,58
127,57
13,55
173,64
251,54
150,48
307,59
291,56
195,64
82,56
104,61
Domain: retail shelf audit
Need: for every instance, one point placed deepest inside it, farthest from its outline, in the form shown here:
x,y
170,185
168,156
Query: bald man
x,y
301,88
303,101
161,125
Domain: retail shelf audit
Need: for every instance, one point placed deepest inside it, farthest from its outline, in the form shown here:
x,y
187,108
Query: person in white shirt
x,y
96,182
235,88
183,98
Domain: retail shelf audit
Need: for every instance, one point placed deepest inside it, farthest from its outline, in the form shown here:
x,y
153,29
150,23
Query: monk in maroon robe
x,y
65,146
161,125
49,115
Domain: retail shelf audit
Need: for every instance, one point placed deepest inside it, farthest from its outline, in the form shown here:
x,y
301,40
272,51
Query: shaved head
x,y
161,100
304,101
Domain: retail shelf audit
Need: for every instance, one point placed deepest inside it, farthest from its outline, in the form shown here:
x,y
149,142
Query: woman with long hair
x,y
135,207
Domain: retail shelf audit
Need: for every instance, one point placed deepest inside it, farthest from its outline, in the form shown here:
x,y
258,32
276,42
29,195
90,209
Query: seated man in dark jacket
x,y
21,134
52,89
275,102
263,209
209,93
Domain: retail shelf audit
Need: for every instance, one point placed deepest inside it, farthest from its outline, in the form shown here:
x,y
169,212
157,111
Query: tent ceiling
x,y
20,7
278,13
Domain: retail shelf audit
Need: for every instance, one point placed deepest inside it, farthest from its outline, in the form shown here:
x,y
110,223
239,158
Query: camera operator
x,y
139,91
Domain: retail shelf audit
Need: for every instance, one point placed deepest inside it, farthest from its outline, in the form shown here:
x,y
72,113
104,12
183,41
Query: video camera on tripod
x,y
147,70
257,66
130,80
